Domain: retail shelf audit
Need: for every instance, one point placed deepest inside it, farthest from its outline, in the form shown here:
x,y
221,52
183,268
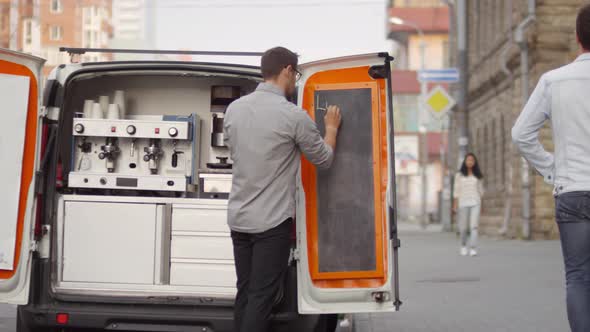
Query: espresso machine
x,y
156,153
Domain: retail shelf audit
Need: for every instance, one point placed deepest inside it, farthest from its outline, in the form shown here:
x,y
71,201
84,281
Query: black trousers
x,y
261,263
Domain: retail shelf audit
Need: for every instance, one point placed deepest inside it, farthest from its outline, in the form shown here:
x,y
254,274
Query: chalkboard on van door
x,y
346,209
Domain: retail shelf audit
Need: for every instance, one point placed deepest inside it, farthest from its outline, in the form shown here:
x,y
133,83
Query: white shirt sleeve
x,y
525,133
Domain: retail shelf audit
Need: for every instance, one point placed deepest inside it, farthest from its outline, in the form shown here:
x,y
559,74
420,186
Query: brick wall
x,y
495,100
4,23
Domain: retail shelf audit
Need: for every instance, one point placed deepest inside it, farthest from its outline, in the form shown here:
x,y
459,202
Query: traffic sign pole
x,y
423,140
439,102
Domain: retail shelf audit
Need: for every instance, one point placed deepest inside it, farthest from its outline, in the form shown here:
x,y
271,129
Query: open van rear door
x,y
20,76
346,227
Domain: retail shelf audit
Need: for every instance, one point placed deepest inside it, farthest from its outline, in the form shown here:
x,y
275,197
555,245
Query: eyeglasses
x,y
297,73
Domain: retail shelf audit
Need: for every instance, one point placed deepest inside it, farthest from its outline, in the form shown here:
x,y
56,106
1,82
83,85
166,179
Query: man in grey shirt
x,y
561,97
266,135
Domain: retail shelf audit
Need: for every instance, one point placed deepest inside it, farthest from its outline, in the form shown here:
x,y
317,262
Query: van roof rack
x,y
79,51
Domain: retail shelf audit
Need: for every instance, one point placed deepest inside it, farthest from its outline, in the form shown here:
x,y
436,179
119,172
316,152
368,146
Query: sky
x,y
315,29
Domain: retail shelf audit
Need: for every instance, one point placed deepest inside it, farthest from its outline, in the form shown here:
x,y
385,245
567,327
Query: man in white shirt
x,y
561,97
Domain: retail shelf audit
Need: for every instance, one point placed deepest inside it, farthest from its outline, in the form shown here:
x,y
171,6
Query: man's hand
x,y
332,120
333,117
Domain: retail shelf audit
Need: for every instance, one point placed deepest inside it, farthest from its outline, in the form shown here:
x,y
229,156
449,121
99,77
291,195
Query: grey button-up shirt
x,y
561,97
265,134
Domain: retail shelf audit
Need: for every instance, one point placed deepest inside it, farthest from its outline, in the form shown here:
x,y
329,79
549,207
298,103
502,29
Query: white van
x,y
114,193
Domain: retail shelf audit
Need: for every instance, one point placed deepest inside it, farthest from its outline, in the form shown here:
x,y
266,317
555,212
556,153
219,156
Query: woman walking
x,y
467,202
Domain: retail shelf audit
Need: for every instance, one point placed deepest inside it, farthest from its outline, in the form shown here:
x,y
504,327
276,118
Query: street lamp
x,y
399,21
396,21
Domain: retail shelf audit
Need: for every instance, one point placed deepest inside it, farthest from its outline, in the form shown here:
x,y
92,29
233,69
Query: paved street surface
x,y
7,316
512,286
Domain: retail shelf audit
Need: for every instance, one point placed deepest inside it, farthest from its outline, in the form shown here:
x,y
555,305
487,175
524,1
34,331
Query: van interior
x,y
141,211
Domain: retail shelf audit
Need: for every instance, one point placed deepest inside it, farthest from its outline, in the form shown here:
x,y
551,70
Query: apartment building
x,y
43,26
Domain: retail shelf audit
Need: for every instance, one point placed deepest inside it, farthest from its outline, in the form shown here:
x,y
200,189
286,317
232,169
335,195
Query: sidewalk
x,y
404,226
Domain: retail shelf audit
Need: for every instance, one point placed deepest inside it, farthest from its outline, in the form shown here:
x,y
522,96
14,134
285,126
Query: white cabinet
x,y
111,242
145,245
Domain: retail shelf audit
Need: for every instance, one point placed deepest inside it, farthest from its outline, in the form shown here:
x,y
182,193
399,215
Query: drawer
x,y
188,218
202,274
202,247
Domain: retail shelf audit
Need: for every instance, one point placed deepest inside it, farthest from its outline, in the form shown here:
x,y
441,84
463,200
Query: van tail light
x,y
62,319
59,181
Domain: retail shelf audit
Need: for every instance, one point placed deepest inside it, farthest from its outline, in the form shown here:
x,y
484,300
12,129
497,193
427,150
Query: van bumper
x,y
128,318
140,318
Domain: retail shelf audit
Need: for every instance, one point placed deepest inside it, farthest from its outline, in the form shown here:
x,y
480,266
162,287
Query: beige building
x,y
431,17
420,23
46,25
495,99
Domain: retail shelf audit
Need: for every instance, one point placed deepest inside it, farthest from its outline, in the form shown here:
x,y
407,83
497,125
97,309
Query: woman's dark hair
x,y
583,26
476,170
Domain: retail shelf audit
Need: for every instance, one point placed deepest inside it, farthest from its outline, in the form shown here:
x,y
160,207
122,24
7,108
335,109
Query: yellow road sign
x,y
439,102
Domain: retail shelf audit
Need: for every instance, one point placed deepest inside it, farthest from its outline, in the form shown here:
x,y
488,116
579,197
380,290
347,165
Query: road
x,y
7,314
511,286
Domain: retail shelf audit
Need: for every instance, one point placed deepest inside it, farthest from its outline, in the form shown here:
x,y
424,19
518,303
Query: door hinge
x,y
49,113
43,112
378,72
34,246
295,255
43,245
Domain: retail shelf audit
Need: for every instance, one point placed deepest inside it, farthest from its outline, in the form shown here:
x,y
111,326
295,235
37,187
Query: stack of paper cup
x,y
97,111
113,112
88,108
120,100
104,103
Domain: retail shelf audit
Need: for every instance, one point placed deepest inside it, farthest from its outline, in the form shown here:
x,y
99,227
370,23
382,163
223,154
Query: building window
x,y
56,32
56,6
87,16
502,153
2,19
493,159
87,39
446,60
28,27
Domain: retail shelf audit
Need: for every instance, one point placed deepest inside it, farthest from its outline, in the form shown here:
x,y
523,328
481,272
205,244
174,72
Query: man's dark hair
x,y
275,59
583,27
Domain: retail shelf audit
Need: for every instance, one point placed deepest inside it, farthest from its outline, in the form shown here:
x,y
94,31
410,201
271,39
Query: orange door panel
x,y
370,108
